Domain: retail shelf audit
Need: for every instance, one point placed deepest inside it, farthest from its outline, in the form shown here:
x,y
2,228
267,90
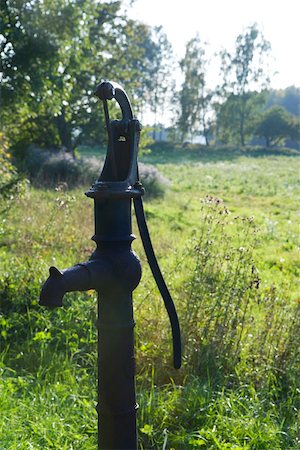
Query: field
x,y
226,237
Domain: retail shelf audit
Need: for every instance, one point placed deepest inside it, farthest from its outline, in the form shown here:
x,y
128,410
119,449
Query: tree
x,y
53,54
49,58
289,98
162,66
276,124
228,116
243,72
25,55
134,61
194,97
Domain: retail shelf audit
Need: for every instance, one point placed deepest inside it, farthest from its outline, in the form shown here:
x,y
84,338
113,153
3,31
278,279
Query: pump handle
x,y
107,90
156,272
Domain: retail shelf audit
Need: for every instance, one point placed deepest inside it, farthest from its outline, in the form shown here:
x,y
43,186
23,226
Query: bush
x,y
153,181
49,169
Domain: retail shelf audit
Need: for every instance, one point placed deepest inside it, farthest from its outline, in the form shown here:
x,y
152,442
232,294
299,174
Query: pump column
x,y
116,364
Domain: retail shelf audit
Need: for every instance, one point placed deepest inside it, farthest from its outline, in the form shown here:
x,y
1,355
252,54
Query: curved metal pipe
x,y
108,90
81,277
163,289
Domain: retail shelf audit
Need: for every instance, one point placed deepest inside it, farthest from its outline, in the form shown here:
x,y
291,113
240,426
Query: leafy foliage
x,y
276,124
229,113
47,70
244,71
52,53
194,97
11,184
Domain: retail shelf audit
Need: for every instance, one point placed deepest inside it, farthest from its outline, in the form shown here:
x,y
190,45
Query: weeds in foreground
x,y
231,322
233,326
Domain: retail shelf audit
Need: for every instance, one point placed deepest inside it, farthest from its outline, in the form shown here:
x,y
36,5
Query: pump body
x,y
114,271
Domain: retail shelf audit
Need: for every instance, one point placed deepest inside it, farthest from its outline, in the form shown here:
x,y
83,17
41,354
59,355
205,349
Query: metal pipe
x,y
116,365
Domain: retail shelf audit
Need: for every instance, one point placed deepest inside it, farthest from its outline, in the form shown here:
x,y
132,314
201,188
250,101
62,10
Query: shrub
x,y
49,169
153,181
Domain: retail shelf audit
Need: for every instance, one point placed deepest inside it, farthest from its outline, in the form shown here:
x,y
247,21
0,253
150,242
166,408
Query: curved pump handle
x,y
108,90
156,272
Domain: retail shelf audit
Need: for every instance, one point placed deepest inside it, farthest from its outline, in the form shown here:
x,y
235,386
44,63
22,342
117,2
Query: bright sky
x,y
219,22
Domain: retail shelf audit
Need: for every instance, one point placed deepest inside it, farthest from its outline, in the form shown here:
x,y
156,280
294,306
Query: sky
x,y
218,22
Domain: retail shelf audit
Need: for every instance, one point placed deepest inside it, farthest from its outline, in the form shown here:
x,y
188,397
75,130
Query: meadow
x,y
225,233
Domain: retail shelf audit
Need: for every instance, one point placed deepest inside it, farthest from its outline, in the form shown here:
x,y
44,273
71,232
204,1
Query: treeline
x,y
54,52
242,107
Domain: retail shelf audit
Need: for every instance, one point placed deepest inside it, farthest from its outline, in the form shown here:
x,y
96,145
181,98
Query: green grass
x,y
226,237
263,187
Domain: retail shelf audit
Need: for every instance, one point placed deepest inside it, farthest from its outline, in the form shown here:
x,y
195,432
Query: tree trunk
x,y
206,139
64,133
242,133
205,129
160,132
242,121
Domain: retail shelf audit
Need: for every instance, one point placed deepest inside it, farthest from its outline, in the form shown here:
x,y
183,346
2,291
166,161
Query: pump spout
x,y
81,277
115,264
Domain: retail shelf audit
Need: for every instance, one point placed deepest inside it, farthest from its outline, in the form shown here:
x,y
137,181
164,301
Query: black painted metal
x,y
114,271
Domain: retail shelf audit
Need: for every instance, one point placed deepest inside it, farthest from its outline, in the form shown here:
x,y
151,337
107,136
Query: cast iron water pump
x,y
114,271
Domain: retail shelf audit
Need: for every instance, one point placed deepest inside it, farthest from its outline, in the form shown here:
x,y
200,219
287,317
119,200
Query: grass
x,y
265,188
221,419
226,238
